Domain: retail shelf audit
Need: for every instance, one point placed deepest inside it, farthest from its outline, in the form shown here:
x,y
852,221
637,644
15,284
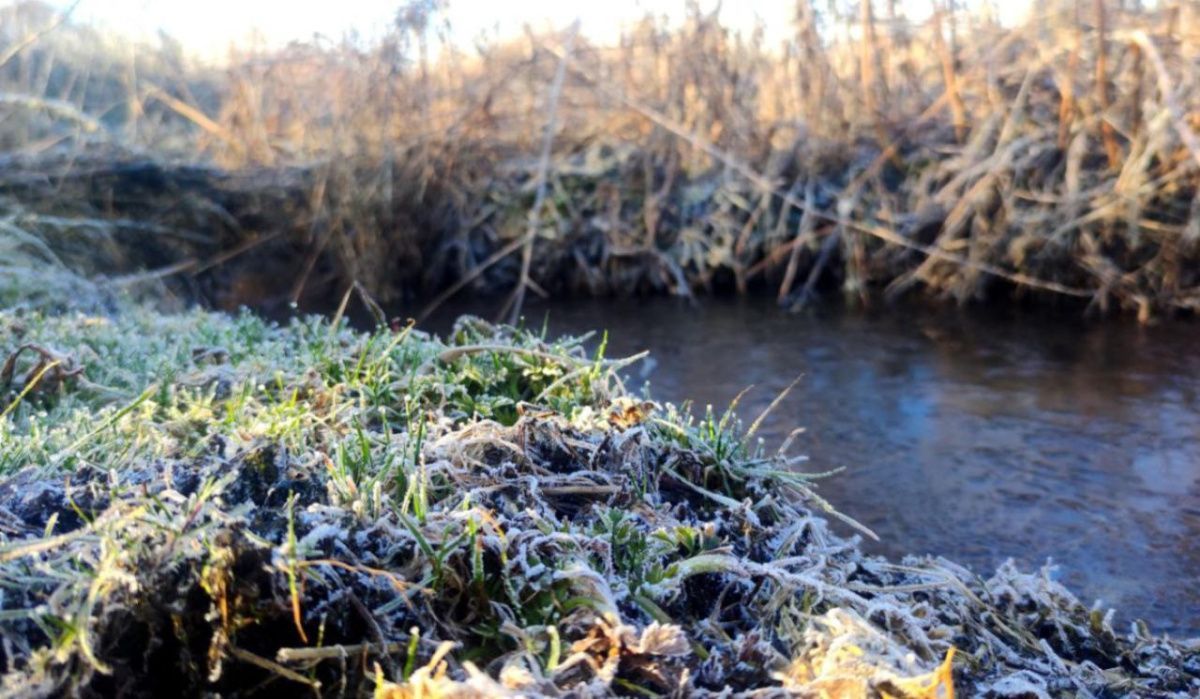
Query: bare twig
x,y
33,36
512,308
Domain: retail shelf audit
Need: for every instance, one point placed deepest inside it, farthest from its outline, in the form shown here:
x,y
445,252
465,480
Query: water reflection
x,y
976,438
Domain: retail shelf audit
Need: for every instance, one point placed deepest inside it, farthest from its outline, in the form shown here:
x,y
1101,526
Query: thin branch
x,y
513,306
33,36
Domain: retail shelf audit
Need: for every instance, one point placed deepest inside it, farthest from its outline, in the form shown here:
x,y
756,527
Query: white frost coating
x,y
1016,686
320,533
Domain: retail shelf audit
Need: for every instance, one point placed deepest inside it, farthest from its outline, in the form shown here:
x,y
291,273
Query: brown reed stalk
x,y
1066,110
1106,128
870,77
512,308
949,75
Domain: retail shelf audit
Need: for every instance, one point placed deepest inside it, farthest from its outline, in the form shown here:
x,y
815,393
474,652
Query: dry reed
x,y
954,155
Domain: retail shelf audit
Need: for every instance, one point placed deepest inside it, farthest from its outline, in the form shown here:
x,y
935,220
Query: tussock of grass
x,y
216,503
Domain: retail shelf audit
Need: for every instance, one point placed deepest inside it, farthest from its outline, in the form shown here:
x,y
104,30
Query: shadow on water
x,y
976,438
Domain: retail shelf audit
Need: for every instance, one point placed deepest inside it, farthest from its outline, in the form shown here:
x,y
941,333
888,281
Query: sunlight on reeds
x,y
954,155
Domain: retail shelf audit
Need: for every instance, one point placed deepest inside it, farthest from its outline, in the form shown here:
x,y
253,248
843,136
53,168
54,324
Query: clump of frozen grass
x,y
202,502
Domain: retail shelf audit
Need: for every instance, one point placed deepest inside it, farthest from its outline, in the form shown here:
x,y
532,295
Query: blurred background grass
x,y
949,155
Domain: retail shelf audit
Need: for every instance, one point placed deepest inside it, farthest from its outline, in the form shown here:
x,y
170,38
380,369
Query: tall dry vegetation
x,y
955,155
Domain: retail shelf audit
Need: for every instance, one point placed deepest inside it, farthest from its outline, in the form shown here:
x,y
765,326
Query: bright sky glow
x,y
209,27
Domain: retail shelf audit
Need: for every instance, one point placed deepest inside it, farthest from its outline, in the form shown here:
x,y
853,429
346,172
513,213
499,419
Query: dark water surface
x,y
976,438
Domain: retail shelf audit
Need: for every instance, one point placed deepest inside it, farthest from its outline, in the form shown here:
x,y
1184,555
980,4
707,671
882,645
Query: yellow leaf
x,y
938,684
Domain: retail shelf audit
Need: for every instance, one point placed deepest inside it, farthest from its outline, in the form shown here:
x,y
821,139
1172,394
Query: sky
x,y
208,27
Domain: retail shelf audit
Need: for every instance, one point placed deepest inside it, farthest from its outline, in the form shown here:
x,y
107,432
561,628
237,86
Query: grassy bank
x,y
949,156
200,502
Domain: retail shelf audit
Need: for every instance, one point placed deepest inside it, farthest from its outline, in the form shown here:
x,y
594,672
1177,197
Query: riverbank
x,y
1055,162
195,501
